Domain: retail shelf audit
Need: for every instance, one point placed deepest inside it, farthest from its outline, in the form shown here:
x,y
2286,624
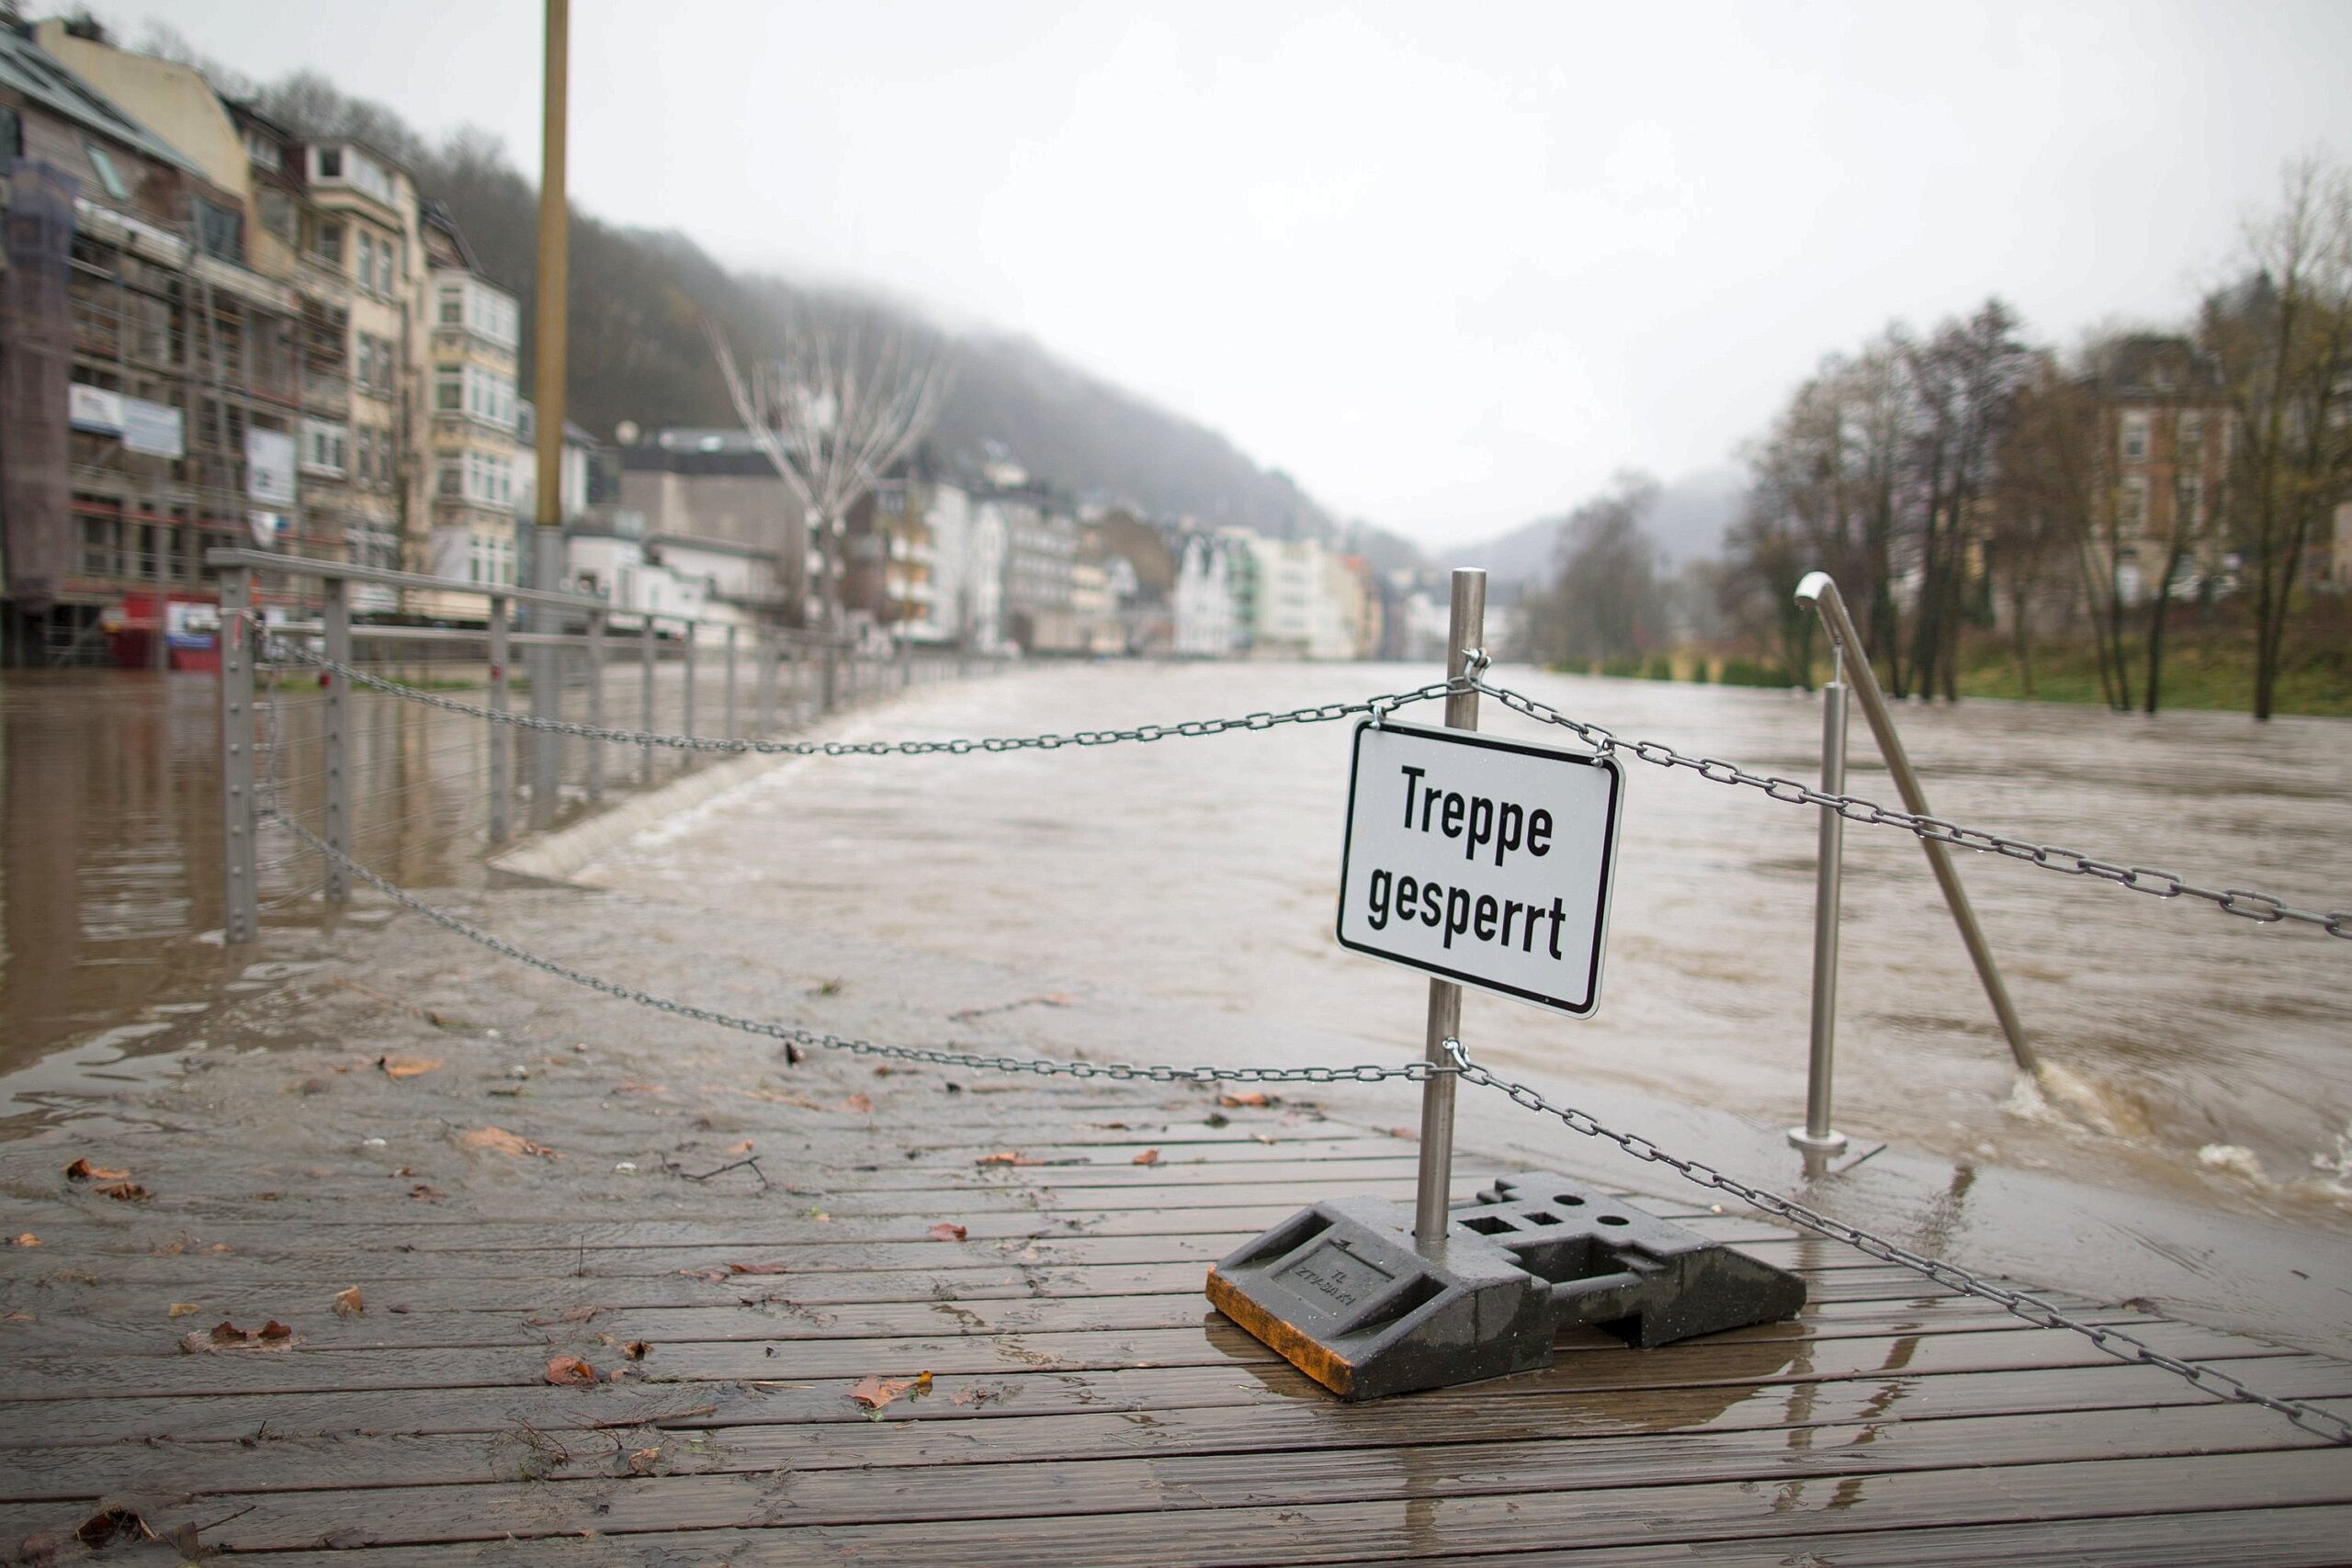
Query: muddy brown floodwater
x,y
1174,902
1203,871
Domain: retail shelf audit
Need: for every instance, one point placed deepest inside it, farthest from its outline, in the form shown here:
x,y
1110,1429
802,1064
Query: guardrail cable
x,y
1323,713
2245,903
2117,1342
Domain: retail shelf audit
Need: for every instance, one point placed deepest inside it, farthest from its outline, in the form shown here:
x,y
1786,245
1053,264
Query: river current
x,y
2212,1055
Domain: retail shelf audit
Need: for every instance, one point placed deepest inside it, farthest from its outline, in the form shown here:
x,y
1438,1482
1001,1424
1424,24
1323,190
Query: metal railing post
x,y
596,703
241,902
335,613
499,748
547,695
687,758
1822,594
645,651
1828,880
1465,631
730,682
766,648
827,677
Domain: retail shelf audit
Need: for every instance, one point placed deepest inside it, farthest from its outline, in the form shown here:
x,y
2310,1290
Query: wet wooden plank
x,y
1699,1374
1806,1514
1859,1406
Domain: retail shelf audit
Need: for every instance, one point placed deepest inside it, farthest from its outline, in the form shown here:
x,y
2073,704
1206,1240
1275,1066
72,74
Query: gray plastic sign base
x,y
1340,1290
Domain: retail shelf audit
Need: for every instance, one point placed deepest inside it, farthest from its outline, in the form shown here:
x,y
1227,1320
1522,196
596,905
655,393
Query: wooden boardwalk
x,y
1083,1404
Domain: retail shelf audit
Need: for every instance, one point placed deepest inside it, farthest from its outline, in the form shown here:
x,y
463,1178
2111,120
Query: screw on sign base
x,y
1340,1293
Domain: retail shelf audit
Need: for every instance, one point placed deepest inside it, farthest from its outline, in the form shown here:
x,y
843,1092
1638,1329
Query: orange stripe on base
x,y
1332,1371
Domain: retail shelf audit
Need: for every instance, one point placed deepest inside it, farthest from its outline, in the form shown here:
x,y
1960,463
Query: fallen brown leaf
x,y
639,1089
126,1191
1245,1097
27,1239
861,1104
1007,1156
399,1067
635,1349
1262,1137
1150,1157
109,1524
182,1309
348,1302
874,1392
424,1193
499,1141
947,1230
1408,1133
713,1274
642,1462
743,1147
83,1170
752,1268
19,1317
570,1372
227,1336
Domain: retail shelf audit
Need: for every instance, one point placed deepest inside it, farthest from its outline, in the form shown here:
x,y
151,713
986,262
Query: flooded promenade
x,y
1201,873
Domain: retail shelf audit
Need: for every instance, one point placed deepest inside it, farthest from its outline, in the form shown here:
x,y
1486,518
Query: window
x,y
448,389
220,230
2190,439
280,217
367,260
2135,437
326,446
108,176
326,242
98,543
452,482
263,152
12,133
2131,511
2190,490
330,163
453,305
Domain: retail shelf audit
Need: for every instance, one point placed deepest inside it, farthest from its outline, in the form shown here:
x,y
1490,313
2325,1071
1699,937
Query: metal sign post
x,y
1465,629
1483,863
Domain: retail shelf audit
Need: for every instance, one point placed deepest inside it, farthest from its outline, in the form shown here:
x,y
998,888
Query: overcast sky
x,y
1449,265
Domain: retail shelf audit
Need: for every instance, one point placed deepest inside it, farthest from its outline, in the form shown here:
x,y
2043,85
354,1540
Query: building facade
x,y
137,352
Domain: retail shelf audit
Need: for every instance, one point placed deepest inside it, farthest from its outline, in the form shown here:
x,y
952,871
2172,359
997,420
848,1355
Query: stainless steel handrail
x,y
1818,593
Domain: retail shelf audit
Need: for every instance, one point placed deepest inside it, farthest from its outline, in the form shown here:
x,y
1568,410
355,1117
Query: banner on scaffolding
x,y
1481,859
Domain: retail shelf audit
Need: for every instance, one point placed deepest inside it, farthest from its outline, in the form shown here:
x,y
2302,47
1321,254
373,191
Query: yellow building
x,y
473,329
363,226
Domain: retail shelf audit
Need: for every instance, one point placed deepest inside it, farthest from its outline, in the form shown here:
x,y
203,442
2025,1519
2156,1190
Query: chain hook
x,y
1475,661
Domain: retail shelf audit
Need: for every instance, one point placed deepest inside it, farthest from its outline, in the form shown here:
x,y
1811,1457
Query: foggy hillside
x,y
637,351
1688,523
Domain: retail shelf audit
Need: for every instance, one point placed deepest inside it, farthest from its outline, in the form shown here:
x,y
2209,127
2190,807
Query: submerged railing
x,y
582,657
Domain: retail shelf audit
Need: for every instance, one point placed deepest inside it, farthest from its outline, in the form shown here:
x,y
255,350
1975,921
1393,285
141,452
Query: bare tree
x,y
846,395
2283,341
1604,601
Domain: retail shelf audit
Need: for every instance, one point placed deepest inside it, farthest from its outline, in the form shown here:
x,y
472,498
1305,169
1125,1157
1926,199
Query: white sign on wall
x,y
269,465
1481,859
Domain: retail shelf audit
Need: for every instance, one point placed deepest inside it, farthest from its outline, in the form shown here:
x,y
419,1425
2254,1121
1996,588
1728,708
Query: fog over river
x,y
1204,871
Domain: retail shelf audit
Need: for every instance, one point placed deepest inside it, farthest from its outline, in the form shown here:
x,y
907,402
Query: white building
x,y
1206,616
967,542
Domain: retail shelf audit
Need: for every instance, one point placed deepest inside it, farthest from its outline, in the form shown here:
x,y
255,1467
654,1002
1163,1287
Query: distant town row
x,y
219,332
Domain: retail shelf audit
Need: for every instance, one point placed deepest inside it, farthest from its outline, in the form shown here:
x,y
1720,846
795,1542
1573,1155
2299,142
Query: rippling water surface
x,y
1206,870
1203,871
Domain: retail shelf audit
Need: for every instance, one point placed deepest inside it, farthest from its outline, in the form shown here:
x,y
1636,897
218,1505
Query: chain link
x,y
2259,906
794,1036
2116,1342
1324,713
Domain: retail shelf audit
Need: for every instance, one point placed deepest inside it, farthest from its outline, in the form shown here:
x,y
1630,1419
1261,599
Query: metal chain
x,y
2116,1342
794,1035
2248,905
1324,713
